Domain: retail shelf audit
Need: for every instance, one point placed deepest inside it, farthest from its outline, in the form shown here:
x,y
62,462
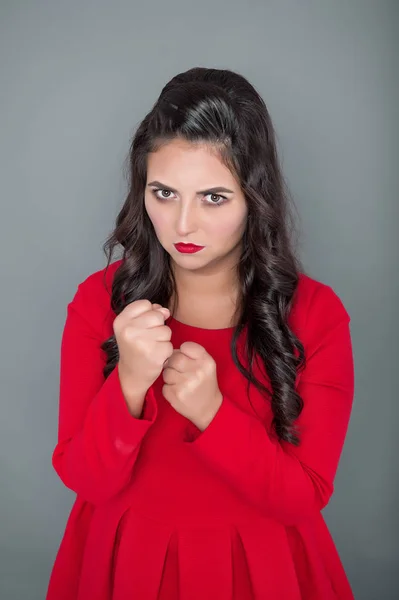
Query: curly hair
x,y
222,108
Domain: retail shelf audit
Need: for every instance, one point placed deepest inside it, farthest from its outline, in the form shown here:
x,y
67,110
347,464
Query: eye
x,y
165,194
219,199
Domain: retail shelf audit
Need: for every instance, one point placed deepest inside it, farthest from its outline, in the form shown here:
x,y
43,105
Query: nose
x,y
186,220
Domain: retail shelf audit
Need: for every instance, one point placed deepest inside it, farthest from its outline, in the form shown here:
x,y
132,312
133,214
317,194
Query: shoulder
x,y
316,306
92,298
99,282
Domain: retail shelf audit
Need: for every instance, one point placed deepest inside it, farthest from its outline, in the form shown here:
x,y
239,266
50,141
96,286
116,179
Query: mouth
x,y
188,248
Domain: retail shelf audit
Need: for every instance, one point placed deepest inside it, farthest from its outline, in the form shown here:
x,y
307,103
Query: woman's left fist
x,y
191,385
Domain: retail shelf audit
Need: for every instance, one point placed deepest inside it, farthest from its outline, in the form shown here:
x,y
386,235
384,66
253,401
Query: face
x,y
185,202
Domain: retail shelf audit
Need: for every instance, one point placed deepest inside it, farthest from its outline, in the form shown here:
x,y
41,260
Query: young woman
x,y
206,380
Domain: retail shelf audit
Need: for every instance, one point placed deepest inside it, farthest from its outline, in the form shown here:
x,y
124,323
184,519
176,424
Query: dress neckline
x,y
179,325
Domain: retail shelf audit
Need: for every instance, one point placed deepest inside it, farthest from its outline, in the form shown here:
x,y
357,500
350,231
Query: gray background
x,y
76,78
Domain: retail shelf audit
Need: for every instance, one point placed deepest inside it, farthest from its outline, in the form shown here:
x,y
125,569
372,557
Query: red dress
x,y
164,511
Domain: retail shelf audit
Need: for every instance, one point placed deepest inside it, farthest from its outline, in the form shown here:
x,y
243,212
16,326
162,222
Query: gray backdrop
x,y
76,78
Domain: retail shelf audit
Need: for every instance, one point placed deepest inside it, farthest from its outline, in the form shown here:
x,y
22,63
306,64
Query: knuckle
x,y
158,317
116,324
137,307
142,303
208,364
168,333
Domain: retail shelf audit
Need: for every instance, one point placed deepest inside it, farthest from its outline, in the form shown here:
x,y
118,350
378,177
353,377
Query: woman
x,y
206,381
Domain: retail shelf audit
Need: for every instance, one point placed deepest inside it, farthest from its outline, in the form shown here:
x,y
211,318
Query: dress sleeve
x,y
98,438
287,482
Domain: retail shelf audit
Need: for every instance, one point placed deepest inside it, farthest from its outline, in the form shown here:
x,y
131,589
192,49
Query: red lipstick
x,y
188,248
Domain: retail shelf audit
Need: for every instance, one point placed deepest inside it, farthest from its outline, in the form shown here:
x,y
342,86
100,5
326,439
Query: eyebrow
x,y
214,190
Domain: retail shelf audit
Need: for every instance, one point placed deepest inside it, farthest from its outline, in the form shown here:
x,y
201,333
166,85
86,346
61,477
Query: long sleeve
x,y
98,438
286,482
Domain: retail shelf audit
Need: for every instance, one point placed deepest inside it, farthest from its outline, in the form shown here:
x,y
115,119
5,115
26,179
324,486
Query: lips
x,y
188,248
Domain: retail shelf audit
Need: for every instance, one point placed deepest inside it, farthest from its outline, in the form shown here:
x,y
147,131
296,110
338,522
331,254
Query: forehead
x,y
189,163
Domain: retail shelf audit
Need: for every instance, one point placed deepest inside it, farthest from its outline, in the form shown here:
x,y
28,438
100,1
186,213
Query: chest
x,y
206,313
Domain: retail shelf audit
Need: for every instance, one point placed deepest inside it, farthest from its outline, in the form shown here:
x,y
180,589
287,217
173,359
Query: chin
x,y
188,261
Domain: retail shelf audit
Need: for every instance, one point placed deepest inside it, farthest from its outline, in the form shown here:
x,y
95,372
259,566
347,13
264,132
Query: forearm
x,y
97,461
259,469
284,481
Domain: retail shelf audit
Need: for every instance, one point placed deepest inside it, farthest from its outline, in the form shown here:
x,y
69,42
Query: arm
x,y
285,482
98,438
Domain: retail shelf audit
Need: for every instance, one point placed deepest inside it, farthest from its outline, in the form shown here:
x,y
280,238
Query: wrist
x,y
134,394
206,419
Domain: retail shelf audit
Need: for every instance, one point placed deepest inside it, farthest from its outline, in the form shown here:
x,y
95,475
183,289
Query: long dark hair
x,y
222,108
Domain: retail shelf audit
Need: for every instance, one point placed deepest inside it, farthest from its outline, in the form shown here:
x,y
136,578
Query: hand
x,y
191,385
144,344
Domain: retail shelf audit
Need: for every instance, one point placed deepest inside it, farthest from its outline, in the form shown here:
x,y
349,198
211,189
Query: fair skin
x,y
206,282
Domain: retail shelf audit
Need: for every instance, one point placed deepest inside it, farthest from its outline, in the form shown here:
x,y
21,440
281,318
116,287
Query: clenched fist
x,y
144,345
191,385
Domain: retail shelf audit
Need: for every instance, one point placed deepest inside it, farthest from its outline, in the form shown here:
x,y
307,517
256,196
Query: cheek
x,y
228,229
157,218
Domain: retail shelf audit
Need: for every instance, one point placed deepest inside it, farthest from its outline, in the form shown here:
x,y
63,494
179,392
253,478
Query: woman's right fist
x,y
143,342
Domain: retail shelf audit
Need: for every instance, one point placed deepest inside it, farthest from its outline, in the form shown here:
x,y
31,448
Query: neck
x,y
210,297
193,283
